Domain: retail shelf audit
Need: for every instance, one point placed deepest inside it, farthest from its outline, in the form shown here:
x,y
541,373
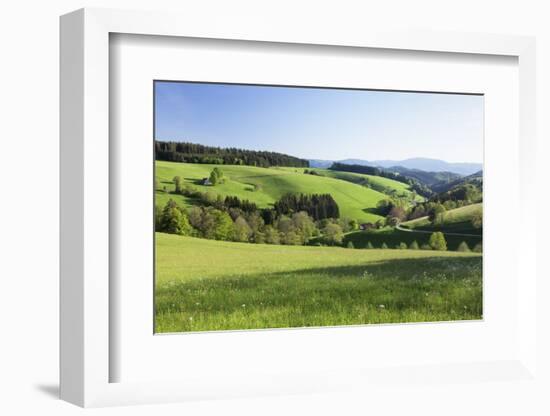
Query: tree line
x,y
197,153
436,242
249,227
230,222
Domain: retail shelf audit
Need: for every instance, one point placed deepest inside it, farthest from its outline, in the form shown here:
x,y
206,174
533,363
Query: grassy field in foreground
x,y
456,220
355,201
212,285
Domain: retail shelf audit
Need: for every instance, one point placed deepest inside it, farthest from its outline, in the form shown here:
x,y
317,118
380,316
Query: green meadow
x,y
204,285
266,185
400,187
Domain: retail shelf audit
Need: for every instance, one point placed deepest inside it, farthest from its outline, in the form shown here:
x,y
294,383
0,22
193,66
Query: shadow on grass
x,y
393,237
371,210
197,182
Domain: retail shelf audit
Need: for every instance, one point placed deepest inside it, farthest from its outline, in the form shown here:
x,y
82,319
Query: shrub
x,y
369,245
437,241
425,247
384,246
414,245
463,247
402,246
350,244
478,248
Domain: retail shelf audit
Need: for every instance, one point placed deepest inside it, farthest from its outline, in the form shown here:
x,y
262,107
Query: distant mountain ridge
x,y
419,163
426,177
475,179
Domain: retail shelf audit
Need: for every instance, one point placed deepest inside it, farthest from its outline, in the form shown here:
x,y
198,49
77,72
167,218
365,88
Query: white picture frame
x,y
86,353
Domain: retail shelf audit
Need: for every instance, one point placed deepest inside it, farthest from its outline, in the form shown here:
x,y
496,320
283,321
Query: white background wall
x,y
29,204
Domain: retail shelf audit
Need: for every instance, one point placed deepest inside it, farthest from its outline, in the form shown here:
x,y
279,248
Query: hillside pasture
x,y
266,185
457,220
204,285
402,189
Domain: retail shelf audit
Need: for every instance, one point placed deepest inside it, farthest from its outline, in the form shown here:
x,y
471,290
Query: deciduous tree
x,y
437,241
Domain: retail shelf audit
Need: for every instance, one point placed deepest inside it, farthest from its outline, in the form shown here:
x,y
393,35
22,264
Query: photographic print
x,y
292,207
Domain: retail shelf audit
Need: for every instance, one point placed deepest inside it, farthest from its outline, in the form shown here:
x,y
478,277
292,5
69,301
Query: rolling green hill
x,y
266,185
454,221
214,285
402,189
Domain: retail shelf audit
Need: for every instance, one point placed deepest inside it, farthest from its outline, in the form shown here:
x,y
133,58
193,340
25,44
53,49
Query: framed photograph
x,y
263,220
270,213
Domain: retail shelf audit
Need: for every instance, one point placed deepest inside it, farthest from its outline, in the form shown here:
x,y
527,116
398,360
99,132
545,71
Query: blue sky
x,y
315,123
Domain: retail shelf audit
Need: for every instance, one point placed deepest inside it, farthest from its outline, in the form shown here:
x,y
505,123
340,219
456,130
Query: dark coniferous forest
x,y
196,153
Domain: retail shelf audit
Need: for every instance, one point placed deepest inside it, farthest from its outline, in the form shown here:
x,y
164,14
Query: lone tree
x,y
216,176
177,183
437,241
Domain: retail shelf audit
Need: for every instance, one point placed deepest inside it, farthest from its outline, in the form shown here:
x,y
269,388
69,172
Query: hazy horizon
x,y
322,124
